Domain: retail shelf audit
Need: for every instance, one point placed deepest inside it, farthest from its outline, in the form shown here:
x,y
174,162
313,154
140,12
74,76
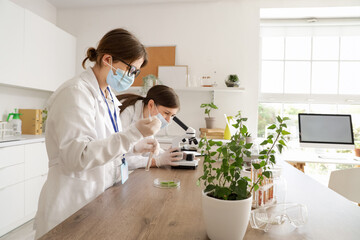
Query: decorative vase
x,y
226,219
210,122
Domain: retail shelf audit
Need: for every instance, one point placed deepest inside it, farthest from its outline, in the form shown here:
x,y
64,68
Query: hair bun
x,y
91,54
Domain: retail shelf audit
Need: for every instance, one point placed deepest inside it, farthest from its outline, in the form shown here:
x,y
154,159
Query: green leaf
x,y
256,165
213,153
262,163
286,119
279,119
282,142
211,179
264,142
248,145
273,126
270,136
263,152
283,132
243,130
267,174
272,158
280,147
209,188
256,187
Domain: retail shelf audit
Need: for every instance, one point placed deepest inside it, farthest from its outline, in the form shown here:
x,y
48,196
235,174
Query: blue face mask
x,y
163,121
119,82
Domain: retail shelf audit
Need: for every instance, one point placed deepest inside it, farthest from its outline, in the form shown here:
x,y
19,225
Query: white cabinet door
x,y
11,42
36,160
49,54
11,175
11,155
32,192
37,51
63,53
11,207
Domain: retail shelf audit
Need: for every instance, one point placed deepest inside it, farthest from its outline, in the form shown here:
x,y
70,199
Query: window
x,y
309,69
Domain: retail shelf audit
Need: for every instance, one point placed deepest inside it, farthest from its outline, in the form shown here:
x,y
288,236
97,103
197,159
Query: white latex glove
x,y
169,157
147,145
148,127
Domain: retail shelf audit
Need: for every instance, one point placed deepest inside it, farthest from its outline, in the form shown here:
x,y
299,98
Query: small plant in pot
x,y
227,197
232,81
357,149
209,120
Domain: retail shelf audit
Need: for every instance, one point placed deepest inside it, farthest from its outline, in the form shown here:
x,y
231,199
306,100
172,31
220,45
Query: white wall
x,y
15,97
209,37
307,3
40,7
212,38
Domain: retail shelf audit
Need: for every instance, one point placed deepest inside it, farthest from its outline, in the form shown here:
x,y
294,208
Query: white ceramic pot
x,y
226,219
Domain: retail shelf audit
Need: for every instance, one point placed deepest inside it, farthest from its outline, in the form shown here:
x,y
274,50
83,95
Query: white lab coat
x,y
82,148
128,117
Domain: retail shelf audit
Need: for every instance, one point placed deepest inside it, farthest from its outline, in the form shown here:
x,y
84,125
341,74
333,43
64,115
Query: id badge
x,y
124,169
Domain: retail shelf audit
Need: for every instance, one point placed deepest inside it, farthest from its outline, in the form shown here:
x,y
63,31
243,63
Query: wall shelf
x,y
213,90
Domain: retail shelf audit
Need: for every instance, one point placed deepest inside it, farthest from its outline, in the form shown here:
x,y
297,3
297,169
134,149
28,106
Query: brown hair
x,y
161,94
120,44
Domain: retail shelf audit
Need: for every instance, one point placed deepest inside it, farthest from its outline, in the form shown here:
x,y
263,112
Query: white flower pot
x,y
226,219
210,122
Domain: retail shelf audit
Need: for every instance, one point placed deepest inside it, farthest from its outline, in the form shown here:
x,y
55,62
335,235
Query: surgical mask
x,y
163,121
119,82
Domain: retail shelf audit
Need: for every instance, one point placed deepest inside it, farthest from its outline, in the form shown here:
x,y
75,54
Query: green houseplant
x,y
148,81
209,120
227,196
232,81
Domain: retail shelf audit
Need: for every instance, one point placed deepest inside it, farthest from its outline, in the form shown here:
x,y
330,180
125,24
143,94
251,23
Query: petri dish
x,y
166,183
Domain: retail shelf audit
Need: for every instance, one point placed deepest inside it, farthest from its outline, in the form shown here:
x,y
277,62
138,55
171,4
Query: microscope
x,y
189,162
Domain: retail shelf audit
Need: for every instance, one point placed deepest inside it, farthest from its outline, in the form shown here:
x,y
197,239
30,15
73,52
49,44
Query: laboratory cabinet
x,y
23,171
36,53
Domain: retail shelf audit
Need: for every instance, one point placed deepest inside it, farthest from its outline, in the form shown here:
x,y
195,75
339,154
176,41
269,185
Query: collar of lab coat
x,y
139,106
89,76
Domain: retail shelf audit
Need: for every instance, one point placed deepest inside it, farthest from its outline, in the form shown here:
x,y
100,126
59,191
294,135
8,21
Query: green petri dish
x,y
166,183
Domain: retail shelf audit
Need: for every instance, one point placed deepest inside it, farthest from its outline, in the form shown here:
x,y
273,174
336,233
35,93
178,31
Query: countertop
x,y
137,210
24,139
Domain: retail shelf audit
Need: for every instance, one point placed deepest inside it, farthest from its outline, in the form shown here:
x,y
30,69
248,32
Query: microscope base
x,y
183,164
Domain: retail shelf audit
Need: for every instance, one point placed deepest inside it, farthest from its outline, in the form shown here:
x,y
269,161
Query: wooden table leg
x,y
300,166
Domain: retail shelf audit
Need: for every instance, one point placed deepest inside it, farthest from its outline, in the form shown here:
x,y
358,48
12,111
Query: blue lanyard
x,y
114,123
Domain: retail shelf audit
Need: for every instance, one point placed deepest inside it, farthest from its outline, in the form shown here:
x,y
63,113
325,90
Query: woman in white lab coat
x,y
83,139
161,101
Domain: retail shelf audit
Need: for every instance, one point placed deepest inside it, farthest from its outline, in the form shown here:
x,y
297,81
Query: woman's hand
x,y
147,145
169,157
148,127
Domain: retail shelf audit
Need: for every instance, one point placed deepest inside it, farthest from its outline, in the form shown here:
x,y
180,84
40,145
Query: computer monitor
x,y
326,131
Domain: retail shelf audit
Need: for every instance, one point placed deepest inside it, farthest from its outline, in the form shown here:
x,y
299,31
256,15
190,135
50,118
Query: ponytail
x,y
130,99
162,95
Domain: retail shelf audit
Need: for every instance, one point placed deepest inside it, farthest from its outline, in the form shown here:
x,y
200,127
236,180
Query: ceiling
x,y
64,4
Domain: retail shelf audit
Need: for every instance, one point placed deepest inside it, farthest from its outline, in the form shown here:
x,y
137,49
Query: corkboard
x,y
157,56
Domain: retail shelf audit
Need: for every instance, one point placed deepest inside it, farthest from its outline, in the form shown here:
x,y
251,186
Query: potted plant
x,y
357,149
227,197
148,81
209,120
232,81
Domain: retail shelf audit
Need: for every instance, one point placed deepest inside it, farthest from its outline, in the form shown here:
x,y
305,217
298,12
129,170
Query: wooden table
x,y
299,158
137,210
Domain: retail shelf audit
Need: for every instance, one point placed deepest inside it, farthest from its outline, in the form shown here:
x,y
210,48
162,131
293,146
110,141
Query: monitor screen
x,y
326,129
